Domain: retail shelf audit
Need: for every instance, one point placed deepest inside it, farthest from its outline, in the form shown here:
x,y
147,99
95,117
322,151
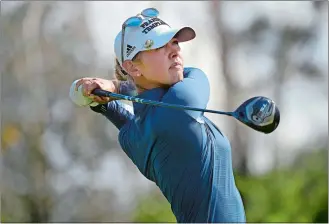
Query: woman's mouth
x,y
176,65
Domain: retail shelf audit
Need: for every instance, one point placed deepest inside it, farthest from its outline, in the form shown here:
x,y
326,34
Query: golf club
x,y
259,113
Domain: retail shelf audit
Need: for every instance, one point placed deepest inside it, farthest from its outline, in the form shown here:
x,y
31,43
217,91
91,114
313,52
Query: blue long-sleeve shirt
x,y
182,151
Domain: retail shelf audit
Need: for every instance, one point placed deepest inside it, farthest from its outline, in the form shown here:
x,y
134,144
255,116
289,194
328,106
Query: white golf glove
x,y
78,98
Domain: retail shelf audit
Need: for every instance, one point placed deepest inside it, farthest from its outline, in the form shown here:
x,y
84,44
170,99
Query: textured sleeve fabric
x,y
193,91
117,112
121,115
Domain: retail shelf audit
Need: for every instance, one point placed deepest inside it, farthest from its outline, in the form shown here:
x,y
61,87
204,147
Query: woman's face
x,y
162,66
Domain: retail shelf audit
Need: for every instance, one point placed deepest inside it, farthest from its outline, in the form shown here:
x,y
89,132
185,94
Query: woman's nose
x,y
174,49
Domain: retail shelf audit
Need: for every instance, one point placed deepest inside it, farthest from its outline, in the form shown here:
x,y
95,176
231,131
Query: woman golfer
x,y
182,151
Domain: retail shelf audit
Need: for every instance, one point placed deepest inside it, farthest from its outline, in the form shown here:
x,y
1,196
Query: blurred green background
x,y
61,163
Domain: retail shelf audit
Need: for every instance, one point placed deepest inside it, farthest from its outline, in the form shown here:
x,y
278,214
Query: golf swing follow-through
x,y
165,133
260,113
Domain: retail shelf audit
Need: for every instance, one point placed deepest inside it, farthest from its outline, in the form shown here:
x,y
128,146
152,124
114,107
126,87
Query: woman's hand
x,y
89,84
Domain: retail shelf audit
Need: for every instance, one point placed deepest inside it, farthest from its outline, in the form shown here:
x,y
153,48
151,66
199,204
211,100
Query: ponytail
x,y
126,83
119,72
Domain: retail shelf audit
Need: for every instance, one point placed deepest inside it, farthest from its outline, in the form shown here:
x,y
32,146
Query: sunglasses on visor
x,y
136,21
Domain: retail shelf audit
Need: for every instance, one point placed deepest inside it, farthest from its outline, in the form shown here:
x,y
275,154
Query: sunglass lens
x,y
150,12
134,21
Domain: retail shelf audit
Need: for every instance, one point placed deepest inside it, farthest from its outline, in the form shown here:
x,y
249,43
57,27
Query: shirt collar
x,y
152,94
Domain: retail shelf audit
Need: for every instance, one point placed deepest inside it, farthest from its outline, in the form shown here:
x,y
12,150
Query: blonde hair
x,y
119,73
126,86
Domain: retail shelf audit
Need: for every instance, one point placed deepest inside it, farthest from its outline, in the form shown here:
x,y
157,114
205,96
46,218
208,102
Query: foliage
x,y
154,208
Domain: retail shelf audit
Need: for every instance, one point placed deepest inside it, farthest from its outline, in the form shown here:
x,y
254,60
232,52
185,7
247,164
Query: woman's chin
x,y
177,78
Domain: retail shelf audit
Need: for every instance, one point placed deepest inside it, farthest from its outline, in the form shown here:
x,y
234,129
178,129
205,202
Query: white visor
x,y
151,34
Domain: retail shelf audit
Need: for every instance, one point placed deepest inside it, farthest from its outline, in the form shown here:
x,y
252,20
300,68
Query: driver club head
x,y
260,113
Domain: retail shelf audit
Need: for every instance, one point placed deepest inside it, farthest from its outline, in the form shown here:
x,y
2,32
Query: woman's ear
x,y
131,68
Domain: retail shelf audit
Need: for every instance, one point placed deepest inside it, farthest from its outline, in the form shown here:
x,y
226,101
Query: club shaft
x,y
100,92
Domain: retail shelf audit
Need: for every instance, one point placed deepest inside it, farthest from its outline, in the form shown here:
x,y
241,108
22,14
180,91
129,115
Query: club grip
x,y
100,92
